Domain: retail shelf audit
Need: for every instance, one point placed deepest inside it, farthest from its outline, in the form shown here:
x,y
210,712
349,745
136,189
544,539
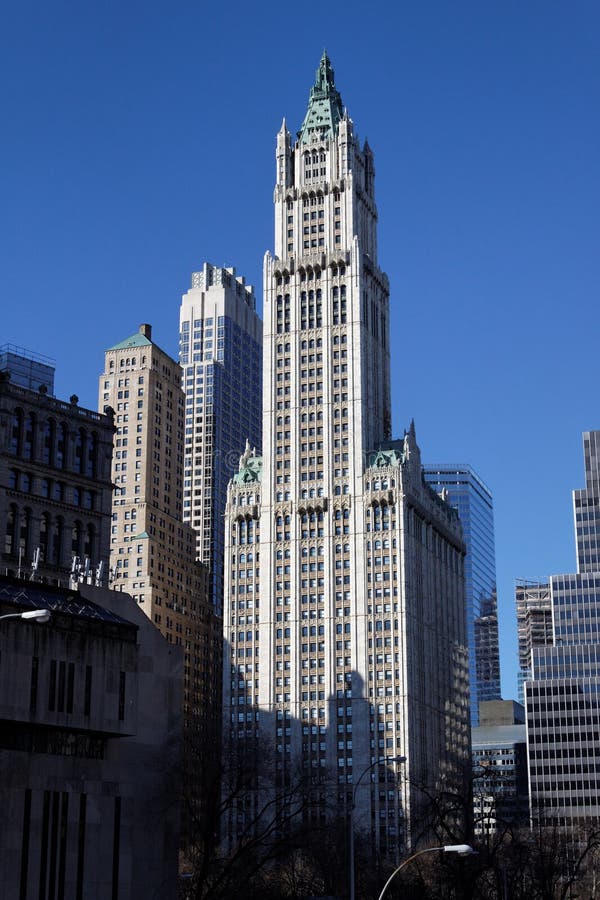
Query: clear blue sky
x,y
138,141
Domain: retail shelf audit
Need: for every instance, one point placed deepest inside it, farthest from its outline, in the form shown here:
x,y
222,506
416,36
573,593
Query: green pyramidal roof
x,y
324,105
136,340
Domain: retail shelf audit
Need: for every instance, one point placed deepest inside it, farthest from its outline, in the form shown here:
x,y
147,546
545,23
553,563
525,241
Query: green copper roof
x,y
136,340
379,459
250,468
325,108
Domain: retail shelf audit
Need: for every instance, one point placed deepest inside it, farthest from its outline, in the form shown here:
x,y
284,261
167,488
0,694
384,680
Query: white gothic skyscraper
x,y
344,594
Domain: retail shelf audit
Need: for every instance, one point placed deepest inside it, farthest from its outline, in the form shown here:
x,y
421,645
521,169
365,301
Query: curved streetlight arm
x,y
461,849
37,615
378,762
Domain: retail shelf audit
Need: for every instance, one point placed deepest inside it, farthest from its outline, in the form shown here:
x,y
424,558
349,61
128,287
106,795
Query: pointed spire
x,y
325,109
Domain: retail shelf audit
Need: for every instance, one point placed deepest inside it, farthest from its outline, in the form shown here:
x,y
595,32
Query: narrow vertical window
x,y
116,849
81,845
60,705
33,690
87,697
70,685
121,696
62,844
52,686
25,844
44,844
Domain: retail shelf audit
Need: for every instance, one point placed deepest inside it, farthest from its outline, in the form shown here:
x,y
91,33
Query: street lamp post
x,y
37,615
392,759
461,849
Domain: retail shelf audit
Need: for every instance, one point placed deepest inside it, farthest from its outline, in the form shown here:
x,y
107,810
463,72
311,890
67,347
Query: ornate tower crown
x,y
325,108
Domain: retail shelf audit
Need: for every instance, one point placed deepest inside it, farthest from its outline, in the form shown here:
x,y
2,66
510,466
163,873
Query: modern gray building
x,y
563,696
220,352
470,496
90,734
345,614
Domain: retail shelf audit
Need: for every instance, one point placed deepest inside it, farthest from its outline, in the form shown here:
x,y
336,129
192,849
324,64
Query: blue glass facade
x,y
469,495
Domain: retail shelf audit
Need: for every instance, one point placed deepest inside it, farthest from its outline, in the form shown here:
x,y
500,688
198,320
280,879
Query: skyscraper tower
x,y
468,494
345,618
152,552
562,700
220,352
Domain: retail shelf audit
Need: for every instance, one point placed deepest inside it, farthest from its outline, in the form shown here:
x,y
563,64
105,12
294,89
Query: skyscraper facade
x,y
345,619
468,494
152,552
563,697
220,336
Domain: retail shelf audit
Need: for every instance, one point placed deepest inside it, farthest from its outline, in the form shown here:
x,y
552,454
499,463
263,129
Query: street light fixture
x,y
460,849
37,615
380,761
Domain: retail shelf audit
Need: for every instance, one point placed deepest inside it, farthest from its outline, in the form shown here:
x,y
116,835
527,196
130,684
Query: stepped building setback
x,y
344,572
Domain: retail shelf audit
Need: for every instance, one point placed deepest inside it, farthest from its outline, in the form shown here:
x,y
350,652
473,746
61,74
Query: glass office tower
x,y
469,495
220,351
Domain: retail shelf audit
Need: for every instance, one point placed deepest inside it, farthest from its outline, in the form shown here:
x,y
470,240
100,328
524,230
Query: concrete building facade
x,y
90,731
344,590
220,341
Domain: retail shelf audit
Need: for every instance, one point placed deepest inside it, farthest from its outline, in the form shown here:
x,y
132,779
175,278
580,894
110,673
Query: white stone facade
x,y
345,630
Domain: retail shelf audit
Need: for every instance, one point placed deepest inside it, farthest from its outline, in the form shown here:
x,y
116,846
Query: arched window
x,y
28,436
44,535
24,531
56,547
10,533
61,446
88,546
13,478
91,456
48,444
80,449
16,432
76,539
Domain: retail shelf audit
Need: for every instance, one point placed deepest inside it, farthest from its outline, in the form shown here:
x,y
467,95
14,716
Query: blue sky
x,y
138,140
